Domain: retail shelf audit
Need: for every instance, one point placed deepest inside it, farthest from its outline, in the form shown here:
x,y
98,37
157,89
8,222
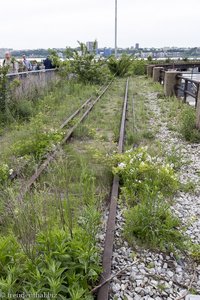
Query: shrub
x,y
3,88
85,67
4,173
22,109
62,266
144,176
147,183
119,67
152,223
194,250
37,144
138,67
187,126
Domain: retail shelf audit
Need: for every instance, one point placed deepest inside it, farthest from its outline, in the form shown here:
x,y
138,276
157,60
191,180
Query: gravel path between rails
x,y
157,276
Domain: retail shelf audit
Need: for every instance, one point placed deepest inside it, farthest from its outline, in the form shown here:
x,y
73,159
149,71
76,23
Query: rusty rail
x,y
103,292
52,155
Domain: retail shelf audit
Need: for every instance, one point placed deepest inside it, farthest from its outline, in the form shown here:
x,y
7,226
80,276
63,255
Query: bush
x,y
147,183
152,223
4,173
144,176
3,88
85,67
187,126
119,67
22,109
62,266
37,144
138,67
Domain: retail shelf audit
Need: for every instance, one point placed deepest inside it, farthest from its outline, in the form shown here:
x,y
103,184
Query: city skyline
x,y
57,24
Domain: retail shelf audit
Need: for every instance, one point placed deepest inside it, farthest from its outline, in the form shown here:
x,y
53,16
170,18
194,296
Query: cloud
x,y
57,23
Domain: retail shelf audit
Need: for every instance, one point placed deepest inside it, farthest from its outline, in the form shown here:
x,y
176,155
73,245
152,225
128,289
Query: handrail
x,y
186,90
188,79
30,72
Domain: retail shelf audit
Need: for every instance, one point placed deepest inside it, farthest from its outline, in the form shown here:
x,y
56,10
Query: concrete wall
x,y
29,84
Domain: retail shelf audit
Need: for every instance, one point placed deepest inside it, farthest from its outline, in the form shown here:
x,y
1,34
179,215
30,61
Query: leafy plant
x,y
187,126
144,176
194,250
85,67
38,144
152,223
119,66
138,67
4,173
3,88
147,183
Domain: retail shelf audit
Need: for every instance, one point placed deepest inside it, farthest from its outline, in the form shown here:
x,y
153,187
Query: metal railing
x,y
187,87
22,74
162,77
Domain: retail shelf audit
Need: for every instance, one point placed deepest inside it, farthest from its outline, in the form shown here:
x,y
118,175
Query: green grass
x,y
181,118
19,141
137,130
53,233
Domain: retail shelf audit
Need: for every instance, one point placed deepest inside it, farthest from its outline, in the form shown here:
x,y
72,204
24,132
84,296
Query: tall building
x,y
137,46
92,46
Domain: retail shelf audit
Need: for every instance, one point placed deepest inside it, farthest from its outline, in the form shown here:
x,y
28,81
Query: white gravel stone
x,y
155,276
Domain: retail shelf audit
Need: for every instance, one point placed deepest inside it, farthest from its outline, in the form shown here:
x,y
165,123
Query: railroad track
x,y
103,288
86,107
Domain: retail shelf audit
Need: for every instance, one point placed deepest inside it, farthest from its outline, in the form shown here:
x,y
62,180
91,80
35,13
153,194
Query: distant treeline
x,y
31,53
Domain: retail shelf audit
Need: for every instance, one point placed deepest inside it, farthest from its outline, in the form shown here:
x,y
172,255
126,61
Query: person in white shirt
x,y
11,63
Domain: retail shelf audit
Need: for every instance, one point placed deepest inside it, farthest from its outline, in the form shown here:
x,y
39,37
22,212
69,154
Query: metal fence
x,y
187,87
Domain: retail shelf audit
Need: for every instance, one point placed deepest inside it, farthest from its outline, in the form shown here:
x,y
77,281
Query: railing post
x,y
171,81
198,109
185,90
150,70
156,73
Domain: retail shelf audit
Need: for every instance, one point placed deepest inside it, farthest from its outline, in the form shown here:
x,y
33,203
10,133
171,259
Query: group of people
x,y
25,65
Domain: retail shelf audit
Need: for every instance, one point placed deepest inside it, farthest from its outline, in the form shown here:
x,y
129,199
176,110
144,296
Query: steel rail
x,y
103,292
52,155
15,174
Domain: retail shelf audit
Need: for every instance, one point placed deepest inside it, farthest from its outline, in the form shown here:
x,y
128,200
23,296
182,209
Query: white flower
x,y
130,150
11,171
122,165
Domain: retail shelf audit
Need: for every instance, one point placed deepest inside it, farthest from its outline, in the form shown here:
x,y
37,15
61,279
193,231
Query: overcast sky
x,y
31,24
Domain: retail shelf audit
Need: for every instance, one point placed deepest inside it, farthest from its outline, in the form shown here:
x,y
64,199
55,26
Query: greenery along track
x,y
24,143
66,137
48,241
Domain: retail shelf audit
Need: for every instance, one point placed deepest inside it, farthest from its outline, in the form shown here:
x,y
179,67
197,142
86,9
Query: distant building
x,y
92,46
137,46
107,52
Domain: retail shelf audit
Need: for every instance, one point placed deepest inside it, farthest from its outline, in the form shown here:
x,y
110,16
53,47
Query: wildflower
x,y
11,171
142,164
130,150
121,165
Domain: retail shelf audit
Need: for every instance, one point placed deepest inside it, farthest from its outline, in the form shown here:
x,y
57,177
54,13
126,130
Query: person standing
x,y
26,63
10,63
48,63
